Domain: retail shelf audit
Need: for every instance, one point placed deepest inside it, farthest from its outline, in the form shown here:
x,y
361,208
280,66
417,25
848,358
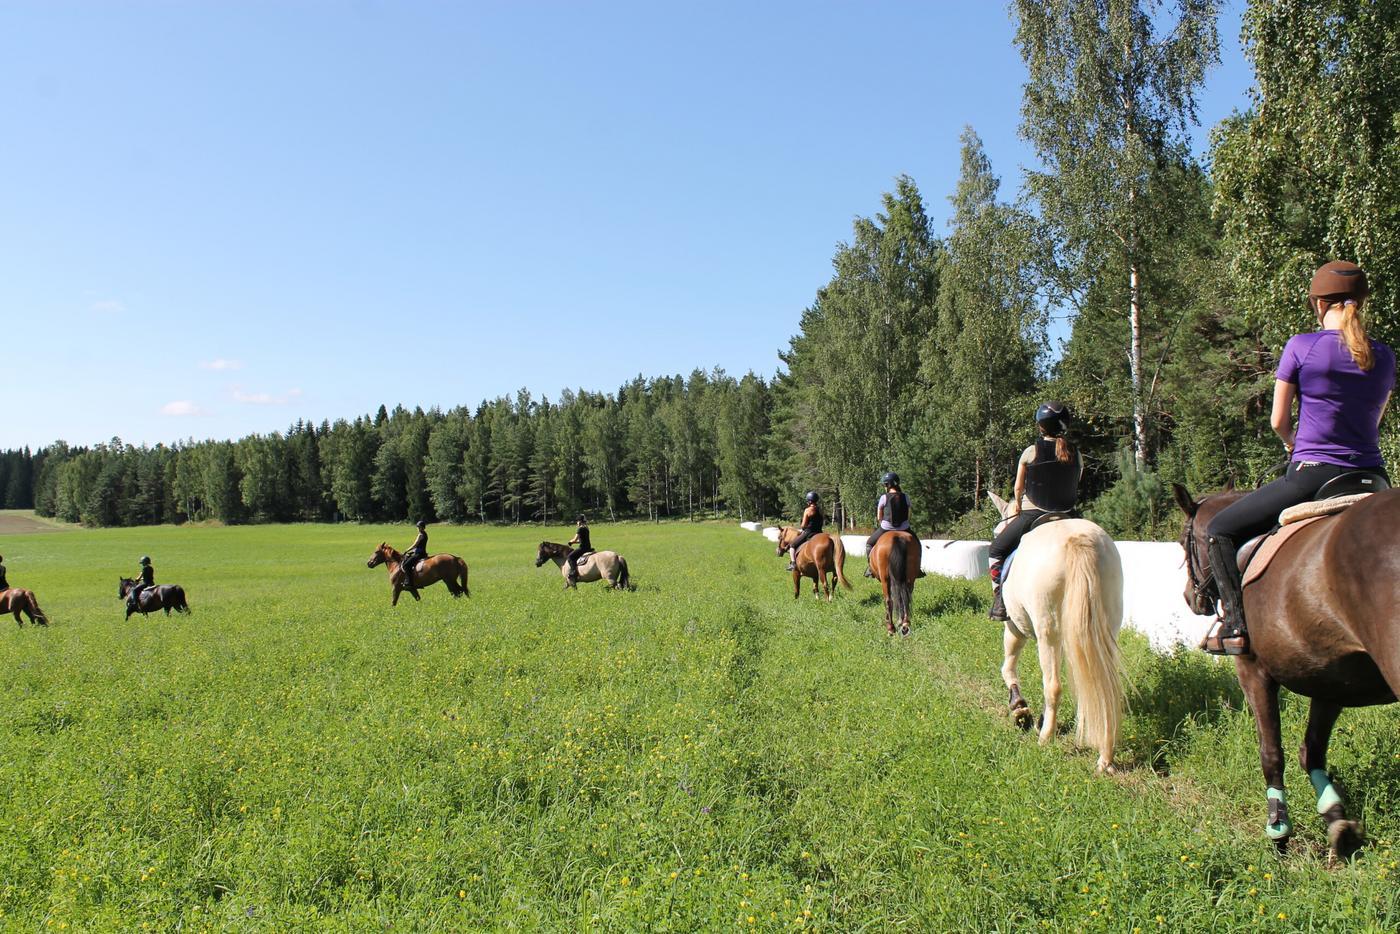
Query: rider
x,y
147,578
4,584
416,552
1047,478
1343,381
812,520
580,539
891,515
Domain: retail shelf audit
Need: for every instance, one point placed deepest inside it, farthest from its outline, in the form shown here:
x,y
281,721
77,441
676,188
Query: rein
x,y
1205,587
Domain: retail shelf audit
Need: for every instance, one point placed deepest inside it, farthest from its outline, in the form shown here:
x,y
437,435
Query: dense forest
x,y
1178,281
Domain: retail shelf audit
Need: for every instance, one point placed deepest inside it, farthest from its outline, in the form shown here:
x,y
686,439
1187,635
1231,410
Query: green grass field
x,y
703,753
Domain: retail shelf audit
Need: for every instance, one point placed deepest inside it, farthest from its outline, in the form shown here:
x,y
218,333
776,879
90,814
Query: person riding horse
x,y
812,520
4,584
416,552
584,546
1047,480
1343,381
891,515
147,578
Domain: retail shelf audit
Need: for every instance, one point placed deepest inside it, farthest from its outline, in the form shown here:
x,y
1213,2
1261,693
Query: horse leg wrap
x,y
1279,825
1327,797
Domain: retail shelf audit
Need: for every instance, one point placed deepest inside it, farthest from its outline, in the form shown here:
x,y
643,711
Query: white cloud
x,y
107,306
265,398
221,364
181,407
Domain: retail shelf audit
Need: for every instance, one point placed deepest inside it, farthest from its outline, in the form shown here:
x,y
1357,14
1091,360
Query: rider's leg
x,y
406,567
573,564
796,544
870,549
998,551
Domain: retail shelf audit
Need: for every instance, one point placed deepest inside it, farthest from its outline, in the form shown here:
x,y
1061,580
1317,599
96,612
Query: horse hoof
x,y
1344,838
1022,717
1281,846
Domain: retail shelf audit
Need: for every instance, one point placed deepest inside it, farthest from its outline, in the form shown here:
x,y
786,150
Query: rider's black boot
x,y
1229,636
998,610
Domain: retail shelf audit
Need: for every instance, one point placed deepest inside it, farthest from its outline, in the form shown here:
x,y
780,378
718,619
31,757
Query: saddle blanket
x,y
1318,508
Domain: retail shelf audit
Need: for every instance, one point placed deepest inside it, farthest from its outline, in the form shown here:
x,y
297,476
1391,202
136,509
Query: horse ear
x,y
1184,500
1001,504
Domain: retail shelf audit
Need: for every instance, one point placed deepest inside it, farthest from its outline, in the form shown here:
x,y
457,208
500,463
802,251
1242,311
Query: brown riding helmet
x,y
1338,280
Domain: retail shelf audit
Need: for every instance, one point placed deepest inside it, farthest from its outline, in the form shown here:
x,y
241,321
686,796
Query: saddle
x,y
1334,496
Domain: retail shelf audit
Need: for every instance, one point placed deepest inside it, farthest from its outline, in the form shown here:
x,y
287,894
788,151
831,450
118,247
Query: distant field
x,y
703,753
24,522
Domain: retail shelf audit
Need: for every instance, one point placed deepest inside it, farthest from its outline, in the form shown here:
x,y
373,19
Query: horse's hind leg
x,y
1344,837
1049,648
1012,643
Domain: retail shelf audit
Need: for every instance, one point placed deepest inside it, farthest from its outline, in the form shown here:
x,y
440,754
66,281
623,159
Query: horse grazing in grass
x,y
1065,588
1324,622
822,558
895,564
449,569
165,597
17,600
596,565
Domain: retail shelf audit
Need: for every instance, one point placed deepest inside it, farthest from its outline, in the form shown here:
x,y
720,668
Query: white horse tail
x,y
1092,649
841,562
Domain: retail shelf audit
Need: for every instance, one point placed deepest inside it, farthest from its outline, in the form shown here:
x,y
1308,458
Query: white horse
x,y
1066,589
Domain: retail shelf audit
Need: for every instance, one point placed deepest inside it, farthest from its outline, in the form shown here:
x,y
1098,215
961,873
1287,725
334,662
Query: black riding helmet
x,y
1053,417
811,496
889,479
421,525
145,559
582,520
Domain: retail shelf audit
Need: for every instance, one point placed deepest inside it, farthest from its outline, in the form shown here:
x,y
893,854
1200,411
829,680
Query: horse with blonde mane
x,y
1065,588
822,558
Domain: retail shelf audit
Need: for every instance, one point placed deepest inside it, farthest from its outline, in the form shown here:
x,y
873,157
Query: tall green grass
x,y
703,753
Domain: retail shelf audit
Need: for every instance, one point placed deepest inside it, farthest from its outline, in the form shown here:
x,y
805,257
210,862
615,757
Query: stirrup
x,y
1223,640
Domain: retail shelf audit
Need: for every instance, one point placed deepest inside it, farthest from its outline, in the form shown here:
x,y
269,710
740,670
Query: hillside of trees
x,y
927,352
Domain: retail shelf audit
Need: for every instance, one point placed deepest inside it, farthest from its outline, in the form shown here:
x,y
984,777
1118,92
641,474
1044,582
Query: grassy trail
x,y
704,753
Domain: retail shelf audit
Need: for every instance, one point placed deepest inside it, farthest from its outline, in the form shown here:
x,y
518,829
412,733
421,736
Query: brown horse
x,y
895,563
1323,622
165,597
822,557
449,569
17,600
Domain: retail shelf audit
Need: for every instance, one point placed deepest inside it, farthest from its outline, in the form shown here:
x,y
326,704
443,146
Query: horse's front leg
x,y
1048,645
1261,691
1012,642
398,589
1344,837
796,584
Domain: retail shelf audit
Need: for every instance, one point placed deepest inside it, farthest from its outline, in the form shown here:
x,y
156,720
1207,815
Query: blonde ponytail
x,y
1063,450
1353,333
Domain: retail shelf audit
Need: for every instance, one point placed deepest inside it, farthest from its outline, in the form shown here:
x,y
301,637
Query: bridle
x,y
1202,575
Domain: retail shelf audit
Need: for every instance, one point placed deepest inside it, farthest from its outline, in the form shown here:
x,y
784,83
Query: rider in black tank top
x,y
584,546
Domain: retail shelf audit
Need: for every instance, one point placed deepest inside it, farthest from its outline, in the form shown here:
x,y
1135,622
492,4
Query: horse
x,y
17,600
596,565
895,563
1066,589
821,558
449,569
165,597
1322,623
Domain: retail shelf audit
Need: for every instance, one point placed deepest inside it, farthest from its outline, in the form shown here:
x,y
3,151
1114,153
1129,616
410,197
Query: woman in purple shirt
x,y
1342,380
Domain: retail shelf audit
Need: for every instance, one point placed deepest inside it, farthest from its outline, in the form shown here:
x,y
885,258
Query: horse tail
x,y
625,581
1092,649
35,613
462,568
182,604
841,562
896,568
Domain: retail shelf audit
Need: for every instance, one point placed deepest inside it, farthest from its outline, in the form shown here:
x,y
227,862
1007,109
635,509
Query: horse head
x,y
382,555
1201,592
1003,509
546,551
785,537
124,584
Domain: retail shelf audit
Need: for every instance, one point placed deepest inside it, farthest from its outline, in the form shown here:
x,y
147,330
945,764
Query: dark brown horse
x,y
165,597
822,558
895,563
1324,622
17,600
449,569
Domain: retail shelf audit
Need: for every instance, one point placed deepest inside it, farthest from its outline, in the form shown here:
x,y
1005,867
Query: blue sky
x,y
217,218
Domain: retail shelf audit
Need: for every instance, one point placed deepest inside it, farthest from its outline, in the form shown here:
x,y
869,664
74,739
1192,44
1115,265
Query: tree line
x,y
1178,281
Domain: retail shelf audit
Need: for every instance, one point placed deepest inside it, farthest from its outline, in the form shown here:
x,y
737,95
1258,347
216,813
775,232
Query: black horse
x,y
165,597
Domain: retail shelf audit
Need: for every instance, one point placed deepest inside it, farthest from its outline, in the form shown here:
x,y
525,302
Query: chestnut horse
x,y
17,600
822,557
1323,622
895,564
449,569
